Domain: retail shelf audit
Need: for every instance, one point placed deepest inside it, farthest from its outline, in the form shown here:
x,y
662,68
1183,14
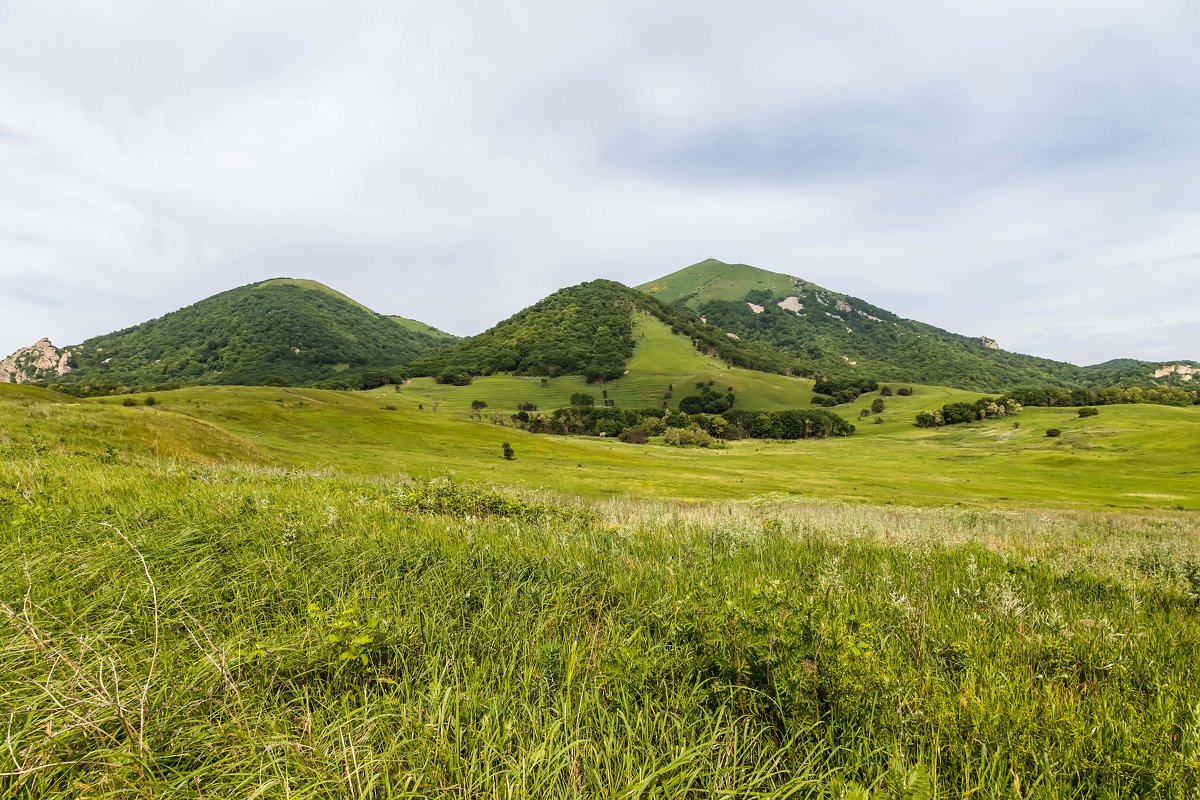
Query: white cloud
x,y
987,167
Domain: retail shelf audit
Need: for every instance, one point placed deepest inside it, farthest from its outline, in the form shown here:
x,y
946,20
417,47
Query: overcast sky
x,y
1028,171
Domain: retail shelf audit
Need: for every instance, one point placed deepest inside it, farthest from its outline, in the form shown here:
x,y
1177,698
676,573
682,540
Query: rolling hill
x,y
282,331
831,333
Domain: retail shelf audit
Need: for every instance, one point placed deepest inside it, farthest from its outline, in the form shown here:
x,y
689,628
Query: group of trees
x,y
844,390
958,413
1056,397
635,425
709,401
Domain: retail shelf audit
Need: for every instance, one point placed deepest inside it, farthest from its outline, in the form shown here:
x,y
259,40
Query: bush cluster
x,y
958,413
632,424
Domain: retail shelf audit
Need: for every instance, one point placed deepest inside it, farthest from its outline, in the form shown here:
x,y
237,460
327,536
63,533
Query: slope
x,y
661,360
278,331
831,333
586,330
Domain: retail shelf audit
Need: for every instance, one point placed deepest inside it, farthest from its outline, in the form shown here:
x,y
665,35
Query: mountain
x,y
826,332
586,330
277,331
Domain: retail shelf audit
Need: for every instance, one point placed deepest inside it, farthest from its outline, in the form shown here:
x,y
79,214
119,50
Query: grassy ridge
x,y
176,631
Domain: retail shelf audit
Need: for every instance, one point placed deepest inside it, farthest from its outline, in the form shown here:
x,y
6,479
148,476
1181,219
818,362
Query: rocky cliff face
x,y
1184,371
40,362
989,343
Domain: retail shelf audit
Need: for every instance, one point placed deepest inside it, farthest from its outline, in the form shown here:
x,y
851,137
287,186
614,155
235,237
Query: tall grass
x,y
188,631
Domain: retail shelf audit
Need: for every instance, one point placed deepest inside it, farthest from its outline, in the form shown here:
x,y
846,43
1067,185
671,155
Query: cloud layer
x,y
1017,169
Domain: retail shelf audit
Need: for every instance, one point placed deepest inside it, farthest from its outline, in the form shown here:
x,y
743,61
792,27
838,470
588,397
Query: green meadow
x,y
298,593
1139,457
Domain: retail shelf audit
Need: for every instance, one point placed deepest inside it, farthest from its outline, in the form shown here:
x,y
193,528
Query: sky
x,y
1021,170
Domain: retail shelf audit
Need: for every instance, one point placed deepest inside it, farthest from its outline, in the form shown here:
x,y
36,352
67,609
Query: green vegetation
x,y
175,630
960,413
1051,397
824,332
586,330
284,332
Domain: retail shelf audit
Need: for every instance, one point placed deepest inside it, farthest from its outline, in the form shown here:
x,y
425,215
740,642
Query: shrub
x,y
442,496
507,451
689,437
633,436
877,406
453,377
128,402
150,401
1088,411
1053,432
885,391
904,391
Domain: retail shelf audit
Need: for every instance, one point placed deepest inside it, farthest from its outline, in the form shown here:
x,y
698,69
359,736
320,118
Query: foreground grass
x,y
198,631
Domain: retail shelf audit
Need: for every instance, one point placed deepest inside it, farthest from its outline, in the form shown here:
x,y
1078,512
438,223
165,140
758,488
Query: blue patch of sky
x,y
815,144
1096,140
795,152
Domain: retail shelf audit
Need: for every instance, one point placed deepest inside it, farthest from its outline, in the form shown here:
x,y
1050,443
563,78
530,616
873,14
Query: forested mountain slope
x,y
278,331
831,333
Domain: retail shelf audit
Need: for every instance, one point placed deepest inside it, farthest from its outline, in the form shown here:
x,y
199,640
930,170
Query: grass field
x,y
256,592
1127,457
189,631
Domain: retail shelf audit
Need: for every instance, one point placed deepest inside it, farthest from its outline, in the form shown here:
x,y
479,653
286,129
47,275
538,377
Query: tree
x,y
1083,412
877,405
582,400
507,451
477,407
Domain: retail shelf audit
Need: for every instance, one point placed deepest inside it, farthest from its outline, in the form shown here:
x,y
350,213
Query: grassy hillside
x,y
284,331
659,360
420,327
832,333
176,630
586,330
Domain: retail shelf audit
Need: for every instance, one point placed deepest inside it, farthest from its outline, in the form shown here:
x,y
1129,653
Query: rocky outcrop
x,y
42,361
990,344
1184,371
792,304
